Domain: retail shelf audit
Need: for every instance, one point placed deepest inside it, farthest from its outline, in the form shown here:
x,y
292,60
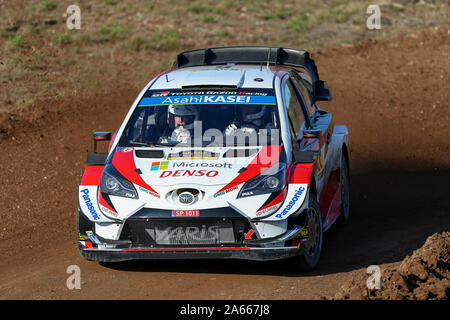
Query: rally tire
x,y
345,193
312,249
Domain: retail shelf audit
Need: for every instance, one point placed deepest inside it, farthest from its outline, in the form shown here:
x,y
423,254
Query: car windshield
x,y
204,118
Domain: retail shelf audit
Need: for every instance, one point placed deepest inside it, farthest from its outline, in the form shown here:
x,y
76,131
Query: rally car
x,y
225,155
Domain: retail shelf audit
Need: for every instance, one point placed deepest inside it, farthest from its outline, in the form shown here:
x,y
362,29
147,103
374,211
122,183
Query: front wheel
x,y
312,248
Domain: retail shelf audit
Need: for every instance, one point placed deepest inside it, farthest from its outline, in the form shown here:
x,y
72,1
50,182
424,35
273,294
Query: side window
x,y
294,109
302,87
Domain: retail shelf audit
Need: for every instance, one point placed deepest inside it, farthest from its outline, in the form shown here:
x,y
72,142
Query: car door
x,y
321,132
318,137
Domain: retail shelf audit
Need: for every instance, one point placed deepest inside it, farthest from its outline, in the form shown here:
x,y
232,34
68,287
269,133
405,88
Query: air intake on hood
x,y
240,153
149,153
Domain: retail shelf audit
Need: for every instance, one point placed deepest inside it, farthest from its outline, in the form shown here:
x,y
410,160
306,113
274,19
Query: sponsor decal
x,y
208,99
92,237
189,173
190,93
163,165
161,94
248,193
89,204
304,234
108,211
225,191
184,235
80,237
201,165
185,213
124,149
291,203
266,210
149,192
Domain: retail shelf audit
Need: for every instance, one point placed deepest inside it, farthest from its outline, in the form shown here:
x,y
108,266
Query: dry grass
x,y
132,40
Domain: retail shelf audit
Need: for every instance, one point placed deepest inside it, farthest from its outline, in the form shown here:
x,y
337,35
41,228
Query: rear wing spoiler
x,y
256,55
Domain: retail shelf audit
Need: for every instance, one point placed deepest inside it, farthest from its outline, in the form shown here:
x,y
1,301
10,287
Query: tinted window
x,y
294,108
305,93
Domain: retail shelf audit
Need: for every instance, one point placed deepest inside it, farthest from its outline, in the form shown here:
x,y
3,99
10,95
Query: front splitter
x,y
245,253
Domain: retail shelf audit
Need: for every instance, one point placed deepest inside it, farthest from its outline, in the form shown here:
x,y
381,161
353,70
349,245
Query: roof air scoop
x,y
214,79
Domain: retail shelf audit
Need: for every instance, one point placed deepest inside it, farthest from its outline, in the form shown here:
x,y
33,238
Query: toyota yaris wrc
x,y
226,155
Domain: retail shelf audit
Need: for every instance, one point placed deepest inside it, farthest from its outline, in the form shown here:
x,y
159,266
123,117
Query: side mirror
x,y
101,136
322,92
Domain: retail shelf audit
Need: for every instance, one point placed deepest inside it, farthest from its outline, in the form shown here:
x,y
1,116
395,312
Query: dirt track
x,y
394,97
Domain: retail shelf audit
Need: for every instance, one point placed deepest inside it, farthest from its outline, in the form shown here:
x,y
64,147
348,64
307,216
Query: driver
x,y
180,120
252,120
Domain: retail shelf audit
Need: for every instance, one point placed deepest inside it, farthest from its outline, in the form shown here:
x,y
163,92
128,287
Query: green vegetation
x,y
61,39
198,9
222,33
299,23
111,32
138,44
166,39
48,5
208,19
17,42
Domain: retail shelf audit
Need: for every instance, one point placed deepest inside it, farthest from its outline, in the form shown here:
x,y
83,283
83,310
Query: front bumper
x,y
247,253
139,240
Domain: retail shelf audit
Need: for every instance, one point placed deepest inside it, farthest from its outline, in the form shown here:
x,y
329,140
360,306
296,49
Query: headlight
x,y
271,180
115,184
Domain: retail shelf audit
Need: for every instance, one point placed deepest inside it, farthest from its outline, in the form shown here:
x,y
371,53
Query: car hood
x,y
226,166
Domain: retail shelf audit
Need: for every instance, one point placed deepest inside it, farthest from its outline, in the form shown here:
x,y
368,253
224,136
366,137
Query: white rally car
x,y
226,155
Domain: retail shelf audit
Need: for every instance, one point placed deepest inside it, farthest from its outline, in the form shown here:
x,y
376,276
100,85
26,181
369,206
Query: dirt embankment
x,y
392,95
423,275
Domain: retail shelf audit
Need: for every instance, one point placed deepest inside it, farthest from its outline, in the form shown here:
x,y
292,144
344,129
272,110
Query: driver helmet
x,y
187,113
253,114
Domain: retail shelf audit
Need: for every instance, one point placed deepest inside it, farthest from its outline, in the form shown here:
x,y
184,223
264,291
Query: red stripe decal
x,y
278,199
92,176
103,202
187,249
124,163
267,157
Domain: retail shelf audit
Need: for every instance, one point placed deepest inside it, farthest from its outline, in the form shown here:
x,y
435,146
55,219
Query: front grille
x,y
185,232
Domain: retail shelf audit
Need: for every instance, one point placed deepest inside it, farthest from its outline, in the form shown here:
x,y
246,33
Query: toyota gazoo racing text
x,y
226,155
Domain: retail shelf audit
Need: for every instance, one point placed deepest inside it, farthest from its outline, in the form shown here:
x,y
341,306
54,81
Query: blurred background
x,y
41,58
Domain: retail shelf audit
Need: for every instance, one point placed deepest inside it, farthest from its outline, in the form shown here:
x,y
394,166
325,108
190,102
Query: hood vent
x,y
240,153
157,154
